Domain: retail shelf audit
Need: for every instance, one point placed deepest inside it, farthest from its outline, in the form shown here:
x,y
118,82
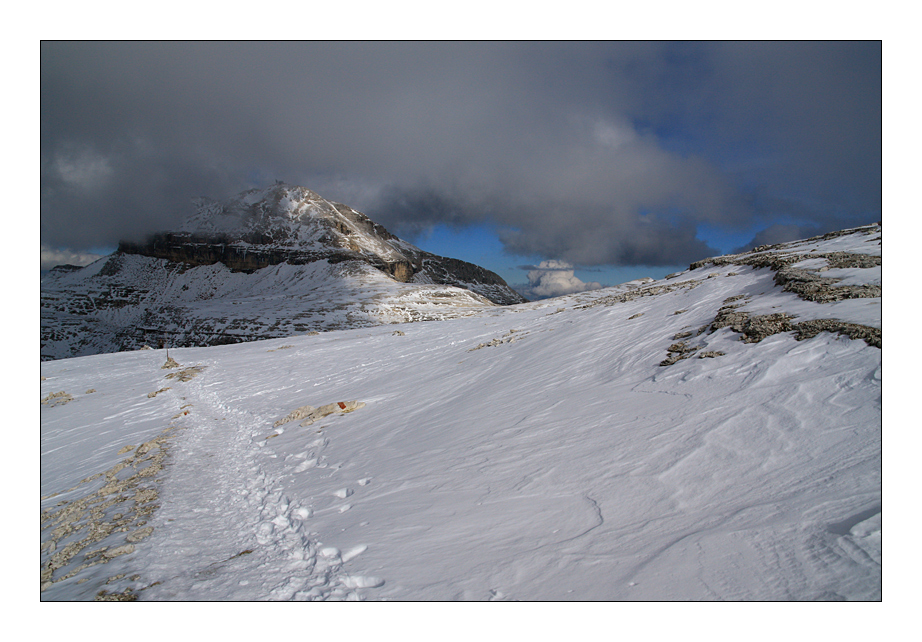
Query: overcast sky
x,y
593,155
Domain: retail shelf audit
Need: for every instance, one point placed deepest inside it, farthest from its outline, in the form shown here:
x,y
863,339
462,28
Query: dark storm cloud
x,y
815,110
780,233
592,153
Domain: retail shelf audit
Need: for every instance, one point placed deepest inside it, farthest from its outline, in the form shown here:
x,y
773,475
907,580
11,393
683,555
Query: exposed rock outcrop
x,y
807,282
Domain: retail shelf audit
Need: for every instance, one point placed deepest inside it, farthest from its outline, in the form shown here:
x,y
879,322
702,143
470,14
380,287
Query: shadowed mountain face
x,y
266,263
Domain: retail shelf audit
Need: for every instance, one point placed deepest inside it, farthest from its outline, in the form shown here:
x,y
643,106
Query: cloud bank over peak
x,y
553,278
52,257
594,153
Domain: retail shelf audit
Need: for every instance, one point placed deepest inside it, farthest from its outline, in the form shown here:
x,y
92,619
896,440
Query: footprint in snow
x,y
354,552
306,465
362,581
264,533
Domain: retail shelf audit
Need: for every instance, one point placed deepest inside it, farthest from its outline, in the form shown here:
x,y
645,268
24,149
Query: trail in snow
x,y
240,524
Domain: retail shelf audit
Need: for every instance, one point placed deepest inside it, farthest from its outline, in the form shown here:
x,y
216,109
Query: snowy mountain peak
x,y
291,224
296,218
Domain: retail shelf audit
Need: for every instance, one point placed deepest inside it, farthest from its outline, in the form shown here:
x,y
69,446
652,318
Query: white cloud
x,y
56,256
555,278
614,135
84,169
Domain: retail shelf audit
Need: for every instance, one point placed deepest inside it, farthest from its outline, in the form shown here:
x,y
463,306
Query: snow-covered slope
x,y
266,263
149,301
711,436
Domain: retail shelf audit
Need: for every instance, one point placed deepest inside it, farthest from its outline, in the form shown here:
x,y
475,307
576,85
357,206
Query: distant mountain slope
x,y
266,263
715,435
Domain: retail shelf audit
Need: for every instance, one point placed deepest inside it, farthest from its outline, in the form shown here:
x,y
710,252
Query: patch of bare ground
x,y
807,283
309,414
122,504
810,286
677,352
754,328
509,337
636,293
57,399
186,374
808,329
112,512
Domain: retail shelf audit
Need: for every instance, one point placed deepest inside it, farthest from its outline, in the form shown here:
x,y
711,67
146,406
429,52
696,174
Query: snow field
x,y
563,463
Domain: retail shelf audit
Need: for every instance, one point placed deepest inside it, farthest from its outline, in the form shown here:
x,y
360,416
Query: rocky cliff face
x,y
266,263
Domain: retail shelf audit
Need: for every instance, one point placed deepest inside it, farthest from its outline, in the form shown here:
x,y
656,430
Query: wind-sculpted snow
x,y
632,443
